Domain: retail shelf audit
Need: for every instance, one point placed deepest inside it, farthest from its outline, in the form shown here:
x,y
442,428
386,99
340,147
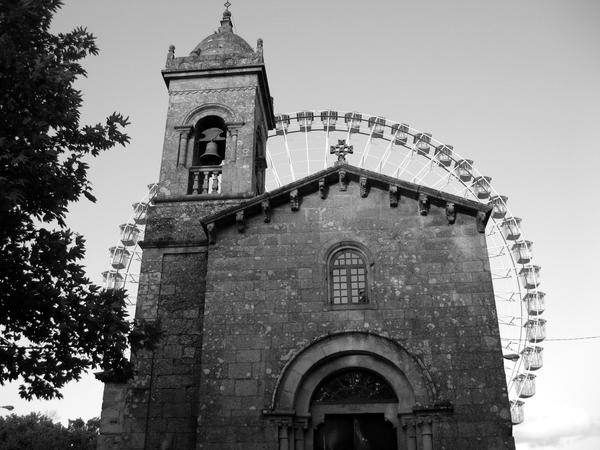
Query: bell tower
x,y
219,112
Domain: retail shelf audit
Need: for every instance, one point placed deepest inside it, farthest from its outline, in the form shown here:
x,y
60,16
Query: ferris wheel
x,y
300,146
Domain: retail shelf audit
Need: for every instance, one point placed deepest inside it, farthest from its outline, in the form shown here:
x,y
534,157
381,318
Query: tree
x,y
54,323
36,431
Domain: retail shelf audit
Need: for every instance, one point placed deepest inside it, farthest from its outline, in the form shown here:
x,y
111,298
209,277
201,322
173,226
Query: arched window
x,y
209,141
348,277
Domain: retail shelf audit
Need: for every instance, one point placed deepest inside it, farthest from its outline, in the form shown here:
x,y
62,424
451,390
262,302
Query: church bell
x,y
211,156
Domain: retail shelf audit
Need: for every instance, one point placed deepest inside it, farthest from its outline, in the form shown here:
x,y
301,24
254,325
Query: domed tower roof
x,y
221,49
223,42
223,53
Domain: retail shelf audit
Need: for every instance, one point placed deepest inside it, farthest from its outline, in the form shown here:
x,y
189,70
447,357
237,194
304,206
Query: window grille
x,y
348,278
355,386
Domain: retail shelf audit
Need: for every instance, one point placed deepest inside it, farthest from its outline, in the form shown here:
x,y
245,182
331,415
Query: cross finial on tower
x,y
341,150
226,24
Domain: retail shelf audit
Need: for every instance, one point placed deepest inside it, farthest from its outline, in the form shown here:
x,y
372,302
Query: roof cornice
x,y
333,175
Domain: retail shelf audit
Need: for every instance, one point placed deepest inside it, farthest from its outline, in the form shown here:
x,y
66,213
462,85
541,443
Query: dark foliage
x,y
54,324
37,432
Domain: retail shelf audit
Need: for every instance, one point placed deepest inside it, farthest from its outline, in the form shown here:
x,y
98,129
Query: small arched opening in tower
x,y
209,141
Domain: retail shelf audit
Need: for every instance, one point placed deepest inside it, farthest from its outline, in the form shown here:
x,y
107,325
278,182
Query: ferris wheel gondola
x,y
126,256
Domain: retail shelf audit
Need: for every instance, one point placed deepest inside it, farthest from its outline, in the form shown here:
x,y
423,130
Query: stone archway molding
x,y
303,372
210,109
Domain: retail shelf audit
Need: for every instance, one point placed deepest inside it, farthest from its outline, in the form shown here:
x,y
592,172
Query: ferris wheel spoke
x,y
494,230
349,133
326,152
458,189
405,162
287,150
366,149
504,274
500,253
386,154
510,344
133,278
273,167
443,181
499,264
384,157
496,248
512,321
409,173
418,178
465,192
307,151
512,297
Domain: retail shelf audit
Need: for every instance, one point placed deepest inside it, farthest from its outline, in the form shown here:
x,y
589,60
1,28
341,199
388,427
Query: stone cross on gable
x,y
341,150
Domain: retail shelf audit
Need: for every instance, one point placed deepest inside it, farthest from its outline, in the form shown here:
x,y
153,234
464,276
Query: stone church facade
x,y
347,310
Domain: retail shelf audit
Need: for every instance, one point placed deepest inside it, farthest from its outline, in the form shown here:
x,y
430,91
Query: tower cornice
x,y
259,70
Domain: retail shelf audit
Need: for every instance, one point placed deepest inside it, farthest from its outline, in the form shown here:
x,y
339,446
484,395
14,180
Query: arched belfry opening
x,y
210,135
210,143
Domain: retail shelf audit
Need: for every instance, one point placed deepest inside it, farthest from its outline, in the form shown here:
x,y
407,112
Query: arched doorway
x,y
342,399
355,432
378,384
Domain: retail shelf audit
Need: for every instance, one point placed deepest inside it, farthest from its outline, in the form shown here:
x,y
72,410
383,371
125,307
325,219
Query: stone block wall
x,y
175,370
172,223
111,420
159,407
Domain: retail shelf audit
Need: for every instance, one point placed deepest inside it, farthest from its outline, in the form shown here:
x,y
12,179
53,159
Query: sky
x,y
512,85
